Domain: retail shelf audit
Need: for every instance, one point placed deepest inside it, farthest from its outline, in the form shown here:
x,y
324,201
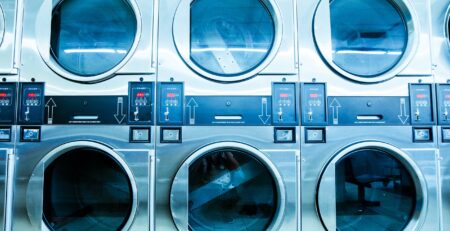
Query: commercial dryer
x,y
88,47
227,47
9,37
363,168
83,171
441,70
366,48
8,104
235,169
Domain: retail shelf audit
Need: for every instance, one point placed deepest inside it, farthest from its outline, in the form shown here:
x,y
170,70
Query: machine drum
x,y
86,189
374,191
231,190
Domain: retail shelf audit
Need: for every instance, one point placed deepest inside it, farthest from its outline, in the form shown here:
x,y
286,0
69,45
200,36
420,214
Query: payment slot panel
x,y
140,103
314,104
443,104
422,107
31,111
284,101
171,103
7,103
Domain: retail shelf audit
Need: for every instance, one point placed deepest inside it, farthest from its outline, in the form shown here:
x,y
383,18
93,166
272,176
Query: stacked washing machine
x,y
85,159
368,150
441,63
9,53
227,141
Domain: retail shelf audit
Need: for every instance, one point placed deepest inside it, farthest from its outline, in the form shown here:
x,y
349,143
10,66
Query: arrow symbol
x,y
264,117
50,105
27,113
120,116
403,117
192,104
335,105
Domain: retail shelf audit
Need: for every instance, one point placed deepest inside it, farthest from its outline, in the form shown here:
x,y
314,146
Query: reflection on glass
x,y
85,189
89,38
374,191
368,37
230,37
230,190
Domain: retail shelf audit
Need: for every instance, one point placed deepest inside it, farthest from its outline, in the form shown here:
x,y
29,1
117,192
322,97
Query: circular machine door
x,y
371,186
90,40
85,186
447,26
227,40
369,41
227,186
2,25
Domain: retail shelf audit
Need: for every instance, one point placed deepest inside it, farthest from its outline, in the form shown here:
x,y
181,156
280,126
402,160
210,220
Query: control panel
x,y
7,103
31,109
140,105
443,103
420,97
314,106
284,101
171,103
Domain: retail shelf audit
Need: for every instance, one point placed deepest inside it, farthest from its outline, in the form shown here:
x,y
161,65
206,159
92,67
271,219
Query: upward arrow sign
x,y
192,104
50,105
335,105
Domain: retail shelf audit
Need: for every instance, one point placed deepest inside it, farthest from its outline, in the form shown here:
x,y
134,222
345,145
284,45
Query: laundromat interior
x,y
230,115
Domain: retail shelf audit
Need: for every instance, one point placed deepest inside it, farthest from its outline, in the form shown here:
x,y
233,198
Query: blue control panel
x,y
7,103
171,103
422,108
284,101
140,105
443,103
314,104
31,108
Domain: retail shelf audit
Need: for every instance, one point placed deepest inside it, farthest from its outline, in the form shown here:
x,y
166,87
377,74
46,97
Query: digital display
x,y
31,95
140,94
284,95
3,94
421,96
313,95
447,96
171,95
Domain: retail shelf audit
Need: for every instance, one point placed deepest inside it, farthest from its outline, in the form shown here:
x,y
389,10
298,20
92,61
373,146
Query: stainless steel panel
x,y
37,63
313,67
137,157
316,156
171,157
9,49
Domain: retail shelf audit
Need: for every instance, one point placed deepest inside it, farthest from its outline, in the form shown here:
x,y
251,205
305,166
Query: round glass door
x,y
374,190
2,25
230,37
230,190
369,39
86,189
90,38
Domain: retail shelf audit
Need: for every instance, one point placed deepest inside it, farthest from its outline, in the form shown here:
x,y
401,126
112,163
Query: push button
x,y
170,135
423,135
140,135
30,134
284,135
5,134
446,135
315,135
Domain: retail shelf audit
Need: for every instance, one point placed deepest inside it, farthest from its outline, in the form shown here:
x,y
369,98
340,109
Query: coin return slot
x,y
85,117
369,117
231,117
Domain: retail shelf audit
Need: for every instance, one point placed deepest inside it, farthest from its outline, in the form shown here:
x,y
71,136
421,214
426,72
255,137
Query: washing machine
x,y
441,69
370,171
83,171
9,38
88,47
227,47
366,48
235,168
8,104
